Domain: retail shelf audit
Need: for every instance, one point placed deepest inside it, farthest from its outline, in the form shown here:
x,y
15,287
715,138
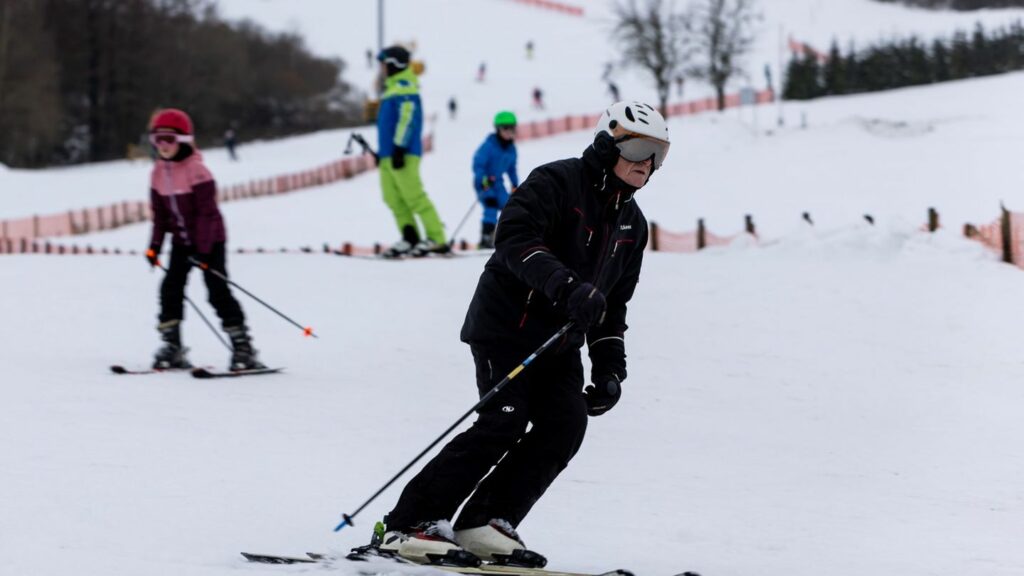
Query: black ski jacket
x,y
565,217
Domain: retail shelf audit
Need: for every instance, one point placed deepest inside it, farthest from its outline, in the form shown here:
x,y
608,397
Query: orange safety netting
x,y
992,235
556,6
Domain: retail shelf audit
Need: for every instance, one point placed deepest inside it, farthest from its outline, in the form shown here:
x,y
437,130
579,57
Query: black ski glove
x,y
602,396
153,255
607,151
491,202
586,306
398,158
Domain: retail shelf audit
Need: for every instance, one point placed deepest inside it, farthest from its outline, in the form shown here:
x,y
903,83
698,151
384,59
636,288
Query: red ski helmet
x,y
171,118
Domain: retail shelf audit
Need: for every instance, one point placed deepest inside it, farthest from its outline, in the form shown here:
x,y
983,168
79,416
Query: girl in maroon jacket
x,y
183,198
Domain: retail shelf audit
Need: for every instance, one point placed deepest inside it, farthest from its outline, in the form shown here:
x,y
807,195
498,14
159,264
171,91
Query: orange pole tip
x,y
308,331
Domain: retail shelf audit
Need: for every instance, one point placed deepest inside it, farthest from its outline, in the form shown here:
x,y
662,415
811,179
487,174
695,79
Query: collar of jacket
x,y
605,182
401,84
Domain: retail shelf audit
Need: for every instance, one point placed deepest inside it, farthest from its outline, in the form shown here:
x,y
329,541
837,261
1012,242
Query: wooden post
x,y
35,226
653,239
748,225
1007,234
933,220
701,234
970,231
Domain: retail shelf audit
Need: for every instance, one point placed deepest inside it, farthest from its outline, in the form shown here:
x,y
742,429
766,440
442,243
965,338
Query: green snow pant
x,y
404,195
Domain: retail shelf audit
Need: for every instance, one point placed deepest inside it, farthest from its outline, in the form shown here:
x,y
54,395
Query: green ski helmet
x,y
505,118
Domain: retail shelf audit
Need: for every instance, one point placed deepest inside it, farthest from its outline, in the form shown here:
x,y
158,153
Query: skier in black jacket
x,y
568,247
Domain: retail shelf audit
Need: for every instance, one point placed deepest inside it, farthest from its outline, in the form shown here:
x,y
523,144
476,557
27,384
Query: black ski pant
x,y
172,291
547,395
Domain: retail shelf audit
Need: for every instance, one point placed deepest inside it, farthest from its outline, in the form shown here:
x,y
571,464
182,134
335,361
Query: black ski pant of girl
x,y
172,291
547,395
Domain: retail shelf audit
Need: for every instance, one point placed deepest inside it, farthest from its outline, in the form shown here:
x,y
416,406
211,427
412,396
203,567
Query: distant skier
x,y
538,98
529,50
481,72
453,108
569,247
231,142
400,145
183,199
495,158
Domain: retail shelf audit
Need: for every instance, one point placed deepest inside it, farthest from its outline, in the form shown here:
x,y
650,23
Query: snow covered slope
x,y
841,400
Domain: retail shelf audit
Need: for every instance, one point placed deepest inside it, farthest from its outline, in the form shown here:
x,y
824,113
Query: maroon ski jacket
x,y
183,198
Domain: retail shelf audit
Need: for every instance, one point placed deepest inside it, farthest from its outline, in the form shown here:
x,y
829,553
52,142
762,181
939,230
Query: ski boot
x,y
243,355
428,247
171,356
427,543
499,543
486,237
410,238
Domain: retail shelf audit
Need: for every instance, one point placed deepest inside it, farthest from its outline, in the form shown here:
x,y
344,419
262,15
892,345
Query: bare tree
x,y
653,37
722,32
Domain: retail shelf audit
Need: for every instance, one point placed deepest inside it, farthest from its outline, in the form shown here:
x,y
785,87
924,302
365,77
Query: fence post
x,y
701,233
970,230
654,237
1007,233
748,225
933,220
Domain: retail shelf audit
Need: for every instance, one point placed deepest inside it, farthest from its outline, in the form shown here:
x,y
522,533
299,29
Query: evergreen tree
x,y
835,72
940,61
960,57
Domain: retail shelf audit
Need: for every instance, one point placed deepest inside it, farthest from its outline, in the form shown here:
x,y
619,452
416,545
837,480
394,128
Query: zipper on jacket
x,y
526,309
174,204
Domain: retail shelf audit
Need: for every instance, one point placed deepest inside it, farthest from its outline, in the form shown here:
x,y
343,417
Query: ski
x,y
118,369
408,258
205,373
485,569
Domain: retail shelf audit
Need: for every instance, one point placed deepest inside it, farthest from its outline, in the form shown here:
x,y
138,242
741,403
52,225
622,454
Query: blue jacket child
x,y
495,158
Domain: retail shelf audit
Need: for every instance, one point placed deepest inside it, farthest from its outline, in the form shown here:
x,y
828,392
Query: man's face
x,y
633,173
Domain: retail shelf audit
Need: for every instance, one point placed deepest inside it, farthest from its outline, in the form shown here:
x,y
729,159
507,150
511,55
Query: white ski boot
x,y
498,542
428,543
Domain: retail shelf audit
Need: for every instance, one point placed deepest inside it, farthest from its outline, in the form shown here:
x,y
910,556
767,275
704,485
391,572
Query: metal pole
x,y
380,25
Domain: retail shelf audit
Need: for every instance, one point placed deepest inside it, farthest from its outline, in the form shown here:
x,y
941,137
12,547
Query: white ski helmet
x,y
639,131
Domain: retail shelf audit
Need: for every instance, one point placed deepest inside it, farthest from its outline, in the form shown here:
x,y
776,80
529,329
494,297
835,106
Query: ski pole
x,y
455,234
347,518
357,137
307,330
201,315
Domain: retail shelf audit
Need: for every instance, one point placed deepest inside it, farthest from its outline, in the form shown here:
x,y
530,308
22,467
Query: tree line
x,y
79,79
905,62
963,5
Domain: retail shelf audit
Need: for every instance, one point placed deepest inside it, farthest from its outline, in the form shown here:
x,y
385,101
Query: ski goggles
x,y
158,138
637,148
507,128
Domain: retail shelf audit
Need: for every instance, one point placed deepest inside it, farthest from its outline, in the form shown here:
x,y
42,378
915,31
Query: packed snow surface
x,y
839,399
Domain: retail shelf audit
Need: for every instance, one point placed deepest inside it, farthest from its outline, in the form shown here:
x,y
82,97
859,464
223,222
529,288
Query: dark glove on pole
x,y
586,306
153,255
603,395
398,158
